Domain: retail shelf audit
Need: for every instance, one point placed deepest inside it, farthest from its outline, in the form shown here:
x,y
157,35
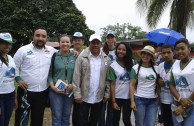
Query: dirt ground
x,y
46,122
47,119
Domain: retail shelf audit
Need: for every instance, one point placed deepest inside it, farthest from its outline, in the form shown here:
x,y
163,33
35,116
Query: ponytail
x,y
3,60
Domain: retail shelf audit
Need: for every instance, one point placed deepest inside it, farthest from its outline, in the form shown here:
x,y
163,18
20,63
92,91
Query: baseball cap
x,y
110,32
77,35
95,36
6,37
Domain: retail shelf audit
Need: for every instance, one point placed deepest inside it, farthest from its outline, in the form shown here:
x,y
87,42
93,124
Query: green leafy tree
x,y
20,17
181,12
124,31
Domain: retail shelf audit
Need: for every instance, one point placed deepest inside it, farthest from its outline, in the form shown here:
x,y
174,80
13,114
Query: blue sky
x,y
100,13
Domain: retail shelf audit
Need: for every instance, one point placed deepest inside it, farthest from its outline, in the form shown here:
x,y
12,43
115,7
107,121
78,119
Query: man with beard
x,y
33,62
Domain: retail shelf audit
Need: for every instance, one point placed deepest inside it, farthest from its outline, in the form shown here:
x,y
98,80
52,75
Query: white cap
x,y
6,37
95,36
110,32
78,35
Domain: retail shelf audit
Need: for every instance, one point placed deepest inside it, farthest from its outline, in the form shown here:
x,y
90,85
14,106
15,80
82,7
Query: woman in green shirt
x,y
61,68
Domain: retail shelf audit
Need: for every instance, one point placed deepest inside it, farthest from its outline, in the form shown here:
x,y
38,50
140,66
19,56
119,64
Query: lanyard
x,y
65,64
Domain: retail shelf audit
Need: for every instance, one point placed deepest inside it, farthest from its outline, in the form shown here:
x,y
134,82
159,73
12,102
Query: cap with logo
x,y
78,35
6,37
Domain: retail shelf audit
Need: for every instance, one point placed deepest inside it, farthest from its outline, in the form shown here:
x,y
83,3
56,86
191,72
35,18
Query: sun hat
x,y
78,35
110,32
148,49
6,37
95,36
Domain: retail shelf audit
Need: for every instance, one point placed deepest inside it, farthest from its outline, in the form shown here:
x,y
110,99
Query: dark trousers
x,y
6,107
75,115
108,111
37,101
166,114
19,111
89,113
124,105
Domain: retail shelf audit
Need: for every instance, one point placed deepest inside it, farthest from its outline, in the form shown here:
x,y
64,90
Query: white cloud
x,y
100,13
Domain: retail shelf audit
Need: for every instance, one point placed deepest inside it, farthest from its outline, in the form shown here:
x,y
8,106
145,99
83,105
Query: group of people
x,y
104,79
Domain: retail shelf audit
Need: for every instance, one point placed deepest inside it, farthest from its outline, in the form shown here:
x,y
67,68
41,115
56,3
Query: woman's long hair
x,y
105,48
3,60
128,59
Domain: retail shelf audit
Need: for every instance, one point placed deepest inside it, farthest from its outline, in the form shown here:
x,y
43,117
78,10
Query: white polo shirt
x,y
95,65
33,66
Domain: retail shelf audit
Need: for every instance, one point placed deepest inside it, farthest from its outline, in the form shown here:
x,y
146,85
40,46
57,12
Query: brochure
x,y
61,86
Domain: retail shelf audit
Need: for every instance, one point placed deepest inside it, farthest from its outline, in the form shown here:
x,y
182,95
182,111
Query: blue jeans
x,y
146,111
61,108
107,107
6,107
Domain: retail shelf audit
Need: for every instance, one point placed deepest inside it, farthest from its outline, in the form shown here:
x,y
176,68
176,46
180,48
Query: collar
x,y
69,54
99,56
45,47
37,48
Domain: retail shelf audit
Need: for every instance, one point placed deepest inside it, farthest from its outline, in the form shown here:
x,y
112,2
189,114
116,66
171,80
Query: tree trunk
x,y
183,9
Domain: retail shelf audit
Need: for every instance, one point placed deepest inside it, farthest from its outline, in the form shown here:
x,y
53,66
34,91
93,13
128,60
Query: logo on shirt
x,y
182,82
10,73
29,53
106,63
150,77
167,84
72,61
124,77
47,51
111,58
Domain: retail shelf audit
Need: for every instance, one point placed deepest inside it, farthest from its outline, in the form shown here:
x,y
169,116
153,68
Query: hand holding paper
x,y
62,86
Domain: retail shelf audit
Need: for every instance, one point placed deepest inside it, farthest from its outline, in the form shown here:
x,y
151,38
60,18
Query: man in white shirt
x,y
33,62
90,82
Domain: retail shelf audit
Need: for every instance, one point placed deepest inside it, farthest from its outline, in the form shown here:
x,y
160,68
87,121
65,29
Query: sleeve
x,y
107,89
133,74
18,59
77,79
111,74
172,81
50,74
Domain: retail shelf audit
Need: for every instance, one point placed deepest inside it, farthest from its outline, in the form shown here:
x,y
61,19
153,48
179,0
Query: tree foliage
x,y
20,17
181,12
124,31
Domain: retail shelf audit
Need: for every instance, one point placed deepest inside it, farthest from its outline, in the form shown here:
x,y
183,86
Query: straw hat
x,y
148,49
